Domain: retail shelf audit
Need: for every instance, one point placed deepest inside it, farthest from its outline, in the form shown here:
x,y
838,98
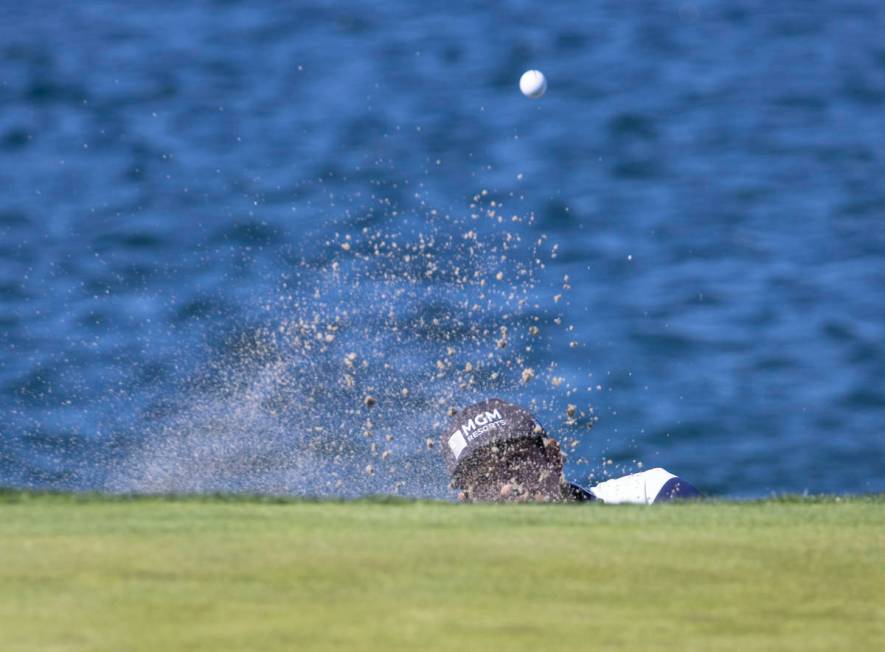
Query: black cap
x,y
482,424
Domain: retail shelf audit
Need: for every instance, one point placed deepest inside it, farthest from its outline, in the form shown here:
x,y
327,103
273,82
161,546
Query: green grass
x,y
215,574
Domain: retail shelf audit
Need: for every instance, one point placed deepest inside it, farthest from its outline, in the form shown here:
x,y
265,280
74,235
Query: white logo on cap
x,y
478,425
457,443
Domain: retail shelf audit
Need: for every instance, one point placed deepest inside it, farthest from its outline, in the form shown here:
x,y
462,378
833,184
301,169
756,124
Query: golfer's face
x,y
516,472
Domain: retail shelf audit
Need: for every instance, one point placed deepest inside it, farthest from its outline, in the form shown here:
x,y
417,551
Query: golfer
x,y
496,451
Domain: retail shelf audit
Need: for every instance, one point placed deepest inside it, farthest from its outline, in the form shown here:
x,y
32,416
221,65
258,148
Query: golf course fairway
x,y
217,574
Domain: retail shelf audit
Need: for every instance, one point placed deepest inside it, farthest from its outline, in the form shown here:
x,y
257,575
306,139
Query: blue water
x,y
178,180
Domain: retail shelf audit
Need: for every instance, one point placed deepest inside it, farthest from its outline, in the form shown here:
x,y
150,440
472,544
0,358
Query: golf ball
x,y
533,84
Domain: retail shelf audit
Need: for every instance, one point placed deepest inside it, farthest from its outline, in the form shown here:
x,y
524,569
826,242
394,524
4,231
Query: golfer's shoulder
x,y
651,486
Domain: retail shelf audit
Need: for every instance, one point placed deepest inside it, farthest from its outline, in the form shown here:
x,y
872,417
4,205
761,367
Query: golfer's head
x,y
496,451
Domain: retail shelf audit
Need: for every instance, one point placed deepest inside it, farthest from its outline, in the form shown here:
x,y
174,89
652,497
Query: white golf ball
x,y
533,84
